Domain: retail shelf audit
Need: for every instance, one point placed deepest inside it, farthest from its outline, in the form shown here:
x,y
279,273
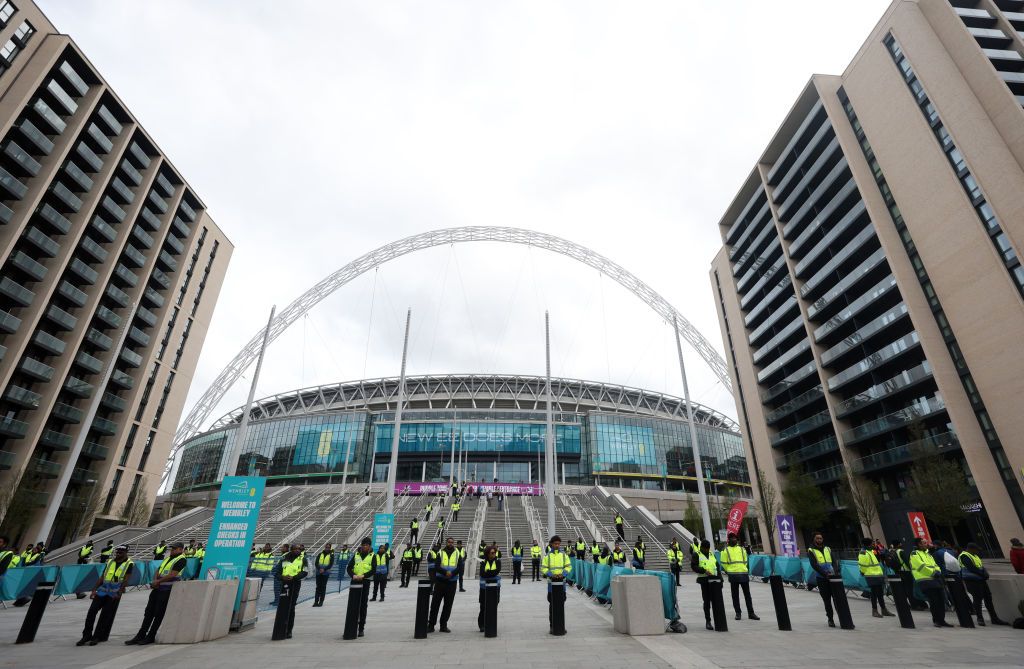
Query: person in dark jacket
x,y
820,557
901,565
976,581
490,572
704,564
324,567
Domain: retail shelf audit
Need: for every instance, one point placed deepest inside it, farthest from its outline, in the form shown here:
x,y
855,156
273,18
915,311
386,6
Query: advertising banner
x,y
736,513
383,529
435,487
918,526
233,529
787,535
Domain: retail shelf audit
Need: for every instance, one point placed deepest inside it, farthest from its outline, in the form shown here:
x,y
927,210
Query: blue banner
x,y
233,529
383,529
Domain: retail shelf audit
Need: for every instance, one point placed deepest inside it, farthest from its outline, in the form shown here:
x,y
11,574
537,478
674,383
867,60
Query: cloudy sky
x,y
317,131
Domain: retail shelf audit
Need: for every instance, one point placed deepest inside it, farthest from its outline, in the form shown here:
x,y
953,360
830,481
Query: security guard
x,y
517,563
462,563
618,555
407,559
734,564
605,557
262,562
426,512
928,577
619,527
535,561
359,569
432,560
201,553
480,551
675,559
871,570
159,550
446,577
903,569
380,571
293,570
84,552
440,526
344,557
975,578
490,572
638,554
694,547
705,565
106,595
417,557
36,555
7,557
595,551
324,566
167,574
581,549
190,550
456,506
107,552
414,529
820,557
554,567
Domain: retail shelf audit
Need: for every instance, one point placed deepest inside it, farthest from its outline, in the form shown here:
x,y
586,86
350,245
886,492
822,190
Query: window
x,y
7,10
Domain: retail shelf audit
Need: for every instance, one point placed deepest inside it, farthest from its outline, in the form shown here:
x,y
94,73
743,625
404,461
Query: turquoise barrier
x,y
77,578
852,578
761,566
668,587
22,581
587,572
603,582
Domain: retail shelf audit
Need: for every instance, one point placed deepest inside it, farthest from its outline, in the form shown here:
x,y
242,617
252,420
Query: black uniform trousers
x,y
455,516
415,533
535,565
560,593
321,588
416,567
705,594
444,592
908,587
621,532
406,573
156,607
379,581
734,588
980,594
364,604
677,570
462,570
106,609
291,588
936,595
517,571
826,596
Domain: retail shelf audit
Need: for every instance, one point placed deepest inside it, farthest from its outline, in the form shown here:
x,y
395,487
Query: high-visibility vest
x,y
824,557
595,550
535,551
517,553
361,565
380,563
158,551
555,564
618,556
14,557
430,507
417,554
114,573
201,552
901,560
974,560
190,551
638,553
604,559
868,563
923,566
972,557
85,551
170,564
407,554
324,559
262,561
292,567
488,566
107,551
462,553
431,556
415,524
450,560
734,560
456,506
440,523
618,520
708,563
33,558
580,547
675,556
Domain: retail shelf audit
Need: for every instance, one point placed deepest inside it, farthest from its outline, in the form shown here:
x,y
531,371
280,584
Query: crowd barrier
x,y
596,579
74,579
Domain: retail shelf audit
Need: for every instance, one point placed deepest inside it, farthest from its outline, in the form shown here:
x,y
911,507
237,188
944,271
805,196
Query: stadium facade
x,y
490,426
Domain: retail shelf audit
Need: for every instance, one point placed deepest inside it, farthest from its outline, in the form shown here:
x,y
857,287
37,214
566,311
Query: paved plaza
x,y
523,641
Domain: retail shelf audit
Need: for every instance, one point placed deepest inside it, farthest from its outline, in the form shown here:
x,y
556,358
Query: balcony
x,y
113,402
49,247
827,475
169,262
74,295
62,319
22,397
17,292
157,201
173,242
789,382
104,229
126,194
95,451
882,288
150,219
897,455
817,449
10,427
54,218
181,228
102,141
131,173
154,297
34,135
98,339
104,426
113,208
7,459
920,409
88,274
885,354
117,295
804,426
905,379
37,498
134,255
9,323
47,469
78,387
97,252
88,362
146,316
81,475
161,278
108,316
47,341
119,378
139,155
142,237
798,349
89,156
35,369
189,212
67,413
164,185
58,441
126,275
138,336
130,357
26,264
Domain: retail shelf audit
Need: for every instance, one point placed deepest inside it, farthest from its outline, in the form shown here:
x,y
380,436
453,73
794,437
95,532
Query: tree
x,y
804,500
861,498
21,506
939,488
135,510
769,503
692,519
79,521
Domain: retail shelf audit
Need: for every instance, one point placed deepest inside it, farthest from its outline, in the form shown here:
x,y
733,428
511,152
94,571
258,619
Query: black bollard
x,y
899,595
492,591
557,594
964,613
422,608
715,585
355,600
840,602
34,615
781,607
284,603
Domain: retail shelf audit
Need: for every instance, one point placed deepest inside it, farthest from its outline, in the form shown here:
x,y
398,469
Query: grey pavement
x,y
523,640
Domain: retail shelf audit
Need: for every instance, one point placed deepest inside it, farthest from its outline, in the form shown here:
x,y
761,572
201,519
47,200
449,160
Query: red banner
x,y
736,513
918,526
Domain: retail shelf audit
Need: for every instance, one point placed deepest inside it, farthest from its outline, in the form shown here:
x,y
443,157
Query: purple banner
x,y
433,488
787,535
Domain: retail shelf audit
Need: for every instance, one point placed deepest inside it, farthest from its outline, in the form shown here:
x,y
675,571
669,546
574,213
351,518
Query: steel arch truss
x,y
230,374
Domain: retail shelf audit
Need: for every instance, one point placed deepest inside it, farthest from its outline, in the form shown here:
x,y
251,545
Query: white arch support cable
x,y
230,374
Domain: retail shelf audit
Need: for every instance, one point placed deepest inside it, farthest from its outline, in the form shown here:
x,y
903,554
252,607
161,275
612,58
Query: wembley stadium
x,y
483,428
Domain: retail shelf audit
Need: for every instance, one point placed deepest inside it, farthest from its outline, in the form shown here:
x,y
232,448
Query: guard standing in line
x,y
190,550
432,560
446,577
344,556
159,550
417,557
605,557
638,554
85,552
201,553
975,578
293,570
595,550
7,557
324,566
619,527
675,559
426,512
517,563
160,592
535,561
903,569
262,562
106,595
928,577
380,572
871,570
275,571
456,506
734,564
705,565
440,526
618,555
694,547
581,549
406,564
480,551
489,571
358,569
462,563
414,529
554,567
820,557
107,552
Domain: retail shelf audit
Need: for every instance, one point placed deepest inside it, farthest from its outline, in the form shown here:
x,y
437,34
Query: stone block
x,y
1007,594
198,611
636,605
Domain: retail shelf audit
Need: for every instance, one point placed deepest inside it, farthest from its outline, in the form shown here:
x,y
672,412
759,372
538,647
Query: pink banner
x,y
433,488
736,513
